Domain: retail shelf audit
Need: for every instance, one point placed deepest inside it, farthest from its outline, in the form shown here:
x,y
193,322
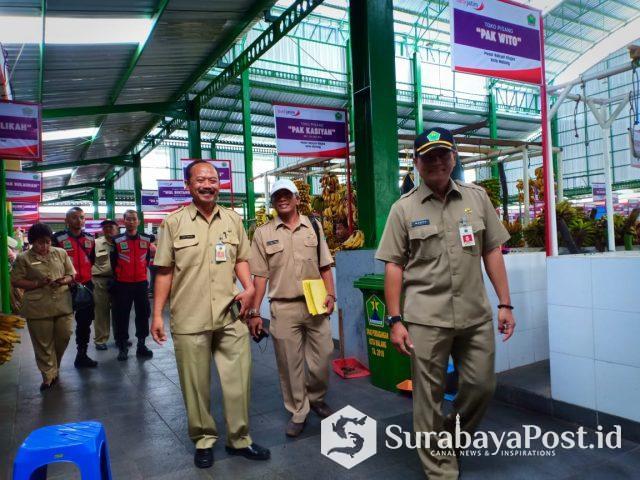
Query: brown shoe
x,y
322,409
294,429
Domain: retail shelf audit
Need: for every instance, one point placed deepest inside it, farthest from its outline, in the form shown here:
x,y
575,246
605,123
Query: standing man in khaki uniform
x,y
433,242
202,249
102,276
286,251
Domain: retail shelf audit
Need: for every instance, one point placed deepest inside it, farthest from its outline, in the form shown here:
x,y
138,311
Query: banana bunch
x,y
8,338
261,217
305,199
355,241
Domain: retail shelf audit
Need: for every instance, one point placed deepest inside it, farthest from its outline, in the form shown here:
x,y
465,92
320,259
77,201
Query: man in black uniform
x,y
80,246
129,261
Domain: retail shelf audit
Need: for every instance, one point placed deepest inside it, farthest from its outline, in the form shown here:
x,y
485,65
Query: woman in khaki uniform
x,y
44,273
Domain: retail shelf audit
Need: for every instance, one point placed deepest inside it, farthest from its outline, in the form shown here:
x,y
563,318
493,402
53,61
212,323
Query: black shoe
x,y
203,457
83,361
252,452
123,354
143,351
101,346
322,409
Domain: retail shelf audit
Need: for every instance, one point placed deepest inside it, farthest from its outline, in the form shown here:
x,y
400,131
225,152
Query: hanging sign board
x,y
20,131
23,186
5,86
222,166
310,131
150,202
172,192
497,38
25,213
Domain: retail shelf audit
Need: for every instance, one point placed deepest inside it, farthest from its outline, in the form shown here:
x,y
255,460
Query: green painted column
x,y
5,282
555,141
493,127
193,129
417,92
245,91
10,219
350,90
375,112
137,188
110,197
96,203
214,153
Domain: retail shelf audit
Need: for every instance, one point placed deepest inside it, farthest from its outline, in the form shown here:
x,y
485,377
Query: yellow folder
x,y
315,294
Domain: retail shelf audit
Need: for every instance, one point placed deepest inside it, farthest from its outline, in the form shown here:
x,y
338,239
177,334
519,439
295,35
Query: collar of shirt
x,y
41,258
426,193
304,221
132,237
193,211
73,236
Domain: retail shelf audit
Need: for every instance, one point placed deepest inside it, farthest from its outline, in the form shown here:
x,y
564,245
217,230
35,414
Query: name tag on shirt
x,y
273,242
420,223
466,236
185,237
221,252
36,263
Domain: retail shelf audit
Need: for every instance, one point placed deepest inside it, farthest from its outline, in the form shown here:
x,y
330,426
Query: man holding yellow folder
x,y
290,252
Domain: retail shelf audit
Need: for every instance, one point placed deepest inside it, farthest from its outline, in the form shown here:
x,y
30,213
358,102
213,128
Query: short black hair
x,y
73,210
130,210
38,231
187,171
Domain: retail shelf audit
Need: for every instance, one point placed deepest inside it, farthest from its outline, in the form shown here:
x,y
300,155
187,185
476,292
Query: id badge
x,y
221,252
466,236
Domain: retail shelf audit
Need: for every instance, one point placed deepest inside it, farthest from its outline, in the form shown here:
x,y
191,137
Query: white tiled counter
x,y
594,331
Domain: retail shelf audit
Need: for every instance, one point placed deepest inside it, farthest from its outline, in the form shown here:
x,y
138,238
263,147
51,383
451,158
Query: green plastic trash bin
x,y
388,367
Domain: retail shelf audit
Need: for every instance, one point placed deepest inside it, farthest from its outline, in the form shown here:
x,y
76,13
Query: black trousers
x,y
84,317
123,296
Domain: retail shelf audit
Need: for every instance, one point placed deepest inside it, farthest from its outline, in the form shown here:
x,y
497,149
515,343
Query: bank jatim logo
x,y
348,437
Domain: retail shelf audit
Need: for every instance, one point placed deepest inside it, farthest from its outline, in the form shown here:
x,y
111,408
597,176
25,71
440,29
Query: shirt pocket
x,y
186,252
275,254
425,242
231,244
478,233
311,247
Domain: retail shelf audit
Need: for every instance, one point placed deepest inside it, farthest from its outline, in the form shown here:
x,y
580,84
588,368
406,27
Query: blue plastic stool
x,y
84,444
451,371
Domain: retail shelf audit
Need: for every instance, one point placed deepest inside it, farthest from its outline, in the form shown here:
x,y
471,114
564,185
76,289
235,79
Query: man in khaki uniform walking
x,y
102,275
432,244
202,249
286,251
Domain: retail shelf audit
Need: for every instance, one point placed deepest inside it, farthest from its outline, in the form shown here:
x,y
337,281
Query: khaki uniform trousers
x,y
473,353
102,310
300,338
230,349
50,337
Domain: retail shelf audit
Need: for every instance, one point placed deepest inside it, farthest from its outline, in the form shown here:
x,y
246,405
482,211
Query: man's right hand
x,y
400,338
255,326
157,330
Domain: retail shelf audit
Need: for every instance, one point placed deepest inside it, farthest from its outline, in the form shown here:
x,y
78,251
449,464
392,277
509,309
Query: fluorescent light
x,y
74,31
67,134
55,173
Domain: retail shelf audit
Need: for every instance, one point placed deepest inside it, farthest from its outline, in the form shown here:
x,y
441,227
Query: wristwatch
x,y
392,320
253,313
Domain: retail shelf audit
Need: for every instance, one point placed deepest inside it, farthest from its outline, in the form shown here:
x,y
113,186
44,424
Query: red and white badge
x,y
466,236
221,252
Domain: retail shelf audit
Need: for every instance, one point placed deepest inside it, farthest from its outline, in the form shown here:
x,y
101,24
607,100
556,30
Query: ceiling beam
x,y
43,14
73,187
159,108
120,160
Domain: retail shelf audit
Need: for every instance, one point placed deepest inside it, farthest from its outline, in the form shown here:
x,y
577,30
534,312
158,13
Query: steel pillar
x,y
137,188
376,113
193,128
110,197
248,144
493,127
417,93
349,71
5,282
96,204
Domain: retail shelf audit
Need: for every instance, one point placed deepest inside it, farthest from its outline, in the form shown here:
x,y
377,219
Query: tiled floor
x,y
141,407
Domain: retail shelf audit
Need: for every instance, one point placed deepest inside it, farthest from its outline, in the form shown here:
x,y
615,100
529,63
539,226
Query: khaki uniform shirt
x,y
443,283
48,301
287,257
202,289
102,265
